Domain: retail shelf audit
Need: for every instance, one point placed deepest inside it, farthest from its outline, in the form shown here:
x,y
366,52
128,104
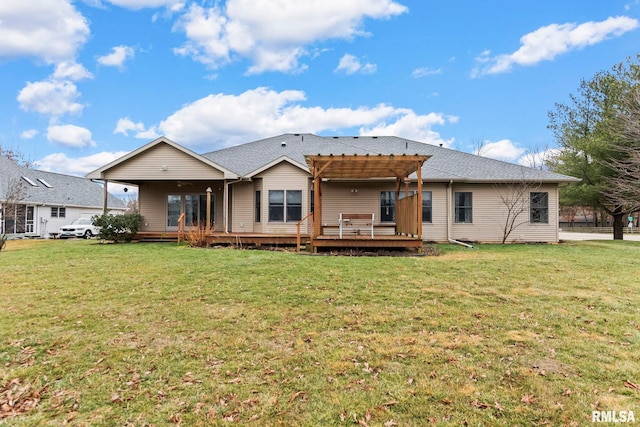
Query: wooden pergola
x,y
400,167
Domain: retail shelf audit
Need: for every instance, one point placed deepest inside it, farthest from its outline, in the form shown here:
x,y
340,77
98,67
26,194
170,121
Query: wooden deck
x,y
258,240
238,239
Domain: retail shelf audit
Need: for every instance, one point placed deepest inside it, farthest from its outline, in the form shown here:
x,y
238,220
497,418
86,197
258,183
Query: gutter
x,y
449,225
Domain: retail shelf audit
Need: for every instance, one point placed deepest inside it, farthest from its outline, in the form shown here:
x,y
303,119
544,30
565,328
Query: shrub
x,y
196,236
119,228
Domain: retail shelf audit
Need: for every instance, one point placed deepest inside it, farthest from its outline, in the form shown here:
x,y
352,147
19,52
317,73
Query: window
x,y
539,204
258,212
45,183
463,209
285,206
294,205
387,206
30,181
426,204
58,212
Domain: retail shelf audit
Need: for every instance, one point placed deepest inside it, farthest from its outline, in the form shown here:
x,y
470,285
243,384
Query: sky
x,y
85,82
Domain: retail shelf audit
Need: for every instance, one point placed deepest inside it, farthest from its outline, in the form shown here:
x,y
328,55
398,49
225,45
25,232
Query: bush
x,y
196,236
119,228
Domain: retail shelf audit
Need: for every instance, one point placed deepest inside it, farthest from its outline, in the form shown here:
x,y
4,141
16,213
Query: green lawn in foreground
x,y
160,334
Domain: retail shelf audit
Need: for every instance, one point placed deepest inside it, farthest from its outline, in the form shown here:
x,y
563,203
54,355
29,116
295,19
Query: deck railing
x,y
310,218
407,215
181,227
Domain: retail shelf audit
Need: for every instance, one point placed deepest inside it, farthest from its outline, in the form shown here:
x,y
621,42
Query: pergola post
x,y
317,201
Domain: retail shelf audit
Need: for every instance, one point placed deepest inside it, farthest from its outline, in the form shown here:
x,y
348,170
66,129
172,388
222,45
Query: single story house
x,y
270,187
46,201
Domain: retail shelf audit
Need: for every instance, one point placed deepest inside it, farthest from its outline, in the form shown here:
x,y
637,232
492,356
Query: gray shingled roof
x,y
444,165
65,189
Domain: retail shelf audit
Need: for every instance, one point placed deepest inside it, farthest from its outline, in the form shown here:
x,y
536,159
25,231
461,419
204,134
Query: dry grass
x,y
169,335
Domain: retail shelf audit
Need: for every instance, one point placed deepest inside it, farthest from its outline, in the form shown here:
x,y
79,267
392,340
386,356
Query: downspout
x,y
225,202
449,215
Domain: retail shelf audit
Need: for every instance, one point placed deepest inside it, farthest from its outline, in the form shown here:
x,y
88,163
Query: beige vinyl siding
x,y
489,217
337,197
283,176
149,166
152,202
242,207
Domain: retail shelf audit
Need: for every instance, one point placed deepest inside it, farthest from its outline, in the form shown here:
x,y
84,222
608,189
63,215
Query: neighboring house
x,y
266,187
47,200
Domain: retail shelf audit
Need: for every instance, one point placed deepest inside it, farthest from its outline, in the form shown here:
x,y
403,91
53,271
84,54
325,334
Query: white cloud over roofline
x,y
273,34
504,149
220,120
546,43
78,166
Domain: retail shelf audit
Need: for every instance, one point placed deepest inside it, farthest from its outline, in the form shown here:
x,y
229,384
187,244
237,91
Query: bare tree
x,y
15,156
8,207
515,197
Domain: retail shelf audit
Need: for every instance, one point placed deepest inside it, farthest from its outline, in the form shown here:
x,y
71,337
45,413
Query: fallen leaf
x,y
631,385
298,394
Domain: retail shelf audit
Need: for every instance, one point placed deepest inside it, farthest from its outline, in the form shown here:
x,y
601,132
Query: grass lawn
x,y
160,334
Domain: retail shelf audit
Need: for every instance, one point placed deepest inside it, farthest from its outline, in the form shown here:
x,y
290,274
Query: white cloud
x,y
500,150
410,125
273,34
224,120
80,166
124,126
351,65
545,43
116,58
426,71
28,134
70,136
71,71
538,160
50,97
49,30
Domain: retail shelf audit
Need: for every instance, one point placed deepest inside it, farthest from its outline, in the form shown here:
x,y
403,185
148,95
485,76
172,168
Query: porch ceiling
x,y
364,166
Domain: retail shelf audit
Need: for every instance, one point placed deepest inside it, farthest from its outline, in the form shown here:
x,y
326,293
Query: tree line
x,y
598,134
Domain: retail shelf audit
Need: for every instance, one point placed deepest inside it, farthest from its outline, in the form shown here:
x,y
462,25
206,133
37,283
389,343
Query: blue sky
x,y
85,82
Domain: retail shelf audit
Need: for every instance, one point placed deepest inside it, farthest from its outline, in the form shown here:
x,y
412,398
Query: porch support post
x,y
208,227
419,207
105,195
225,205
